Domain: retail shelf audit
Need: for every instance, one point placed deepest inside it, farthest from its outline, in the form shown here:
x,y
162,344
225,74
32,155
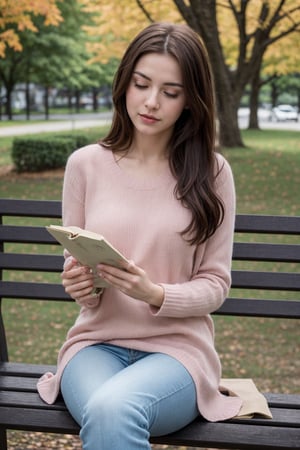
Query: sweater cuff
x,y
181,301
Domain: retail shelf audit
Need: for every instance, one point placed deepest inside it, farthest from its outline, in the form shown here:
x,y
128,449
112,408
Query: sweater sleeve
x,y
73,193
209,285
73,209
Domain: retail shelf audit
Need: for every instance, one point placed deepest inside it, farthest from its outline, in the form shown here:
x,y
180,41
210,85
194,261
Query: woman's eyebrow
x,y
170,83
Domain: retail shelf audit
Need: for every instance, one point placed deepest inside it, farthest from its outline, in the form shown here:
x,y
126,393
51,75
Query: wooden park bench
x,y
22,409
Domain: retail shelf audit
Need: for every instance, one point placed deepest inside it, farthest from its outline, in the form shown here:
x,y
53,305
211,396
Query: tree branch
x,y
187,14
277,17
144,10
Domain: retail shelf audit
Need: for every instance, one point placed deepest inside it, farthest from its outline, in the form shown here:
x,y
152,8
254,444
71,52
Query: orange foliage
x,y
19,13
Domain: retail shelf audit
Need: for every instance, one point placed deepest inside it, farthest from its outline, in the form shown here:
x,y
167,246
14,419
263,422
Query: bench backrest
x,y
260,242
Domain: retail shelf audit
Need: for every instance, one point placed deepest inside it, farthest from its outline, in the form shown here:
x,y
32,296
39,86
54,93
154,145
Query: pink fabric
x,y
142,218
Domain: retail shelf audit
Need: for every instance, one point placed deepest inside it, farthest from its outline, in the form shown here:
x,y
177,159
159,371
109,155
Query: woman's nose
x,y
152,100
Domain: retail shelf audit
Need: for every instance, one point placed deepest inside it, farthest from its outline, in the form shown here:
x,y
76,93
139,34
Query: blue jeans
x,y
120,396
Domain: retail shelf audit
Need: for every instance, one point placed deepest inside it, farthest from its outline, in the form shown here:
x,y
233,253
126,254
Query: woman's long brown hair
x,y
192,146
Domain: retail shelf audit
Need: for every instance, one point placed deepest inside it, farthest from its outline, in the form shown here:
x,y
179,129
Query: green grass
x,y
267,172
267,177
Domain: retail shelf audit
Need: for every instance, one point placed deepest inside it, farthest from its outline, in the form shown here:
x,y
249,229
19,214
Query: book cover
x,y
88,248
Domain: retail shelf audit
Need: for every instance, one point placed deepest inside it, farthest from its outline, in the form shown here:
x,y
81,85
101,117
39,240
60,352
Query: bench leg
x,y
3,439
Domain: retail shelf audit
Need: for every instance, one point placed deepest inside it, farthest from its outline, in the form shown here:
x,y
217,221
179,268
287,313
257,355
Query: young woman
x,y
140,358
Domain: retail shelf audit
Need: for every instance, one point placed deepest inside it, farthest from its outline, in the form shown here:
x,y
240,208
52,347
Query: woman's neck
x,y
148,149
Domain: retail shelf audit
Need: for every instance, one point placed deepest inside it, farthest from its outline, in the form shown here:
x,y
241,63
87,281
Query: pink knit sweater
x,y
143,219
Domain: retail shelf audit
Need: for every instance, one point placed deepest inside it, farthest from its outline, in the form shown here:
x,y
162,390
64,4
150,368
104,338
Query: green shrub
x,y
80,140
36,154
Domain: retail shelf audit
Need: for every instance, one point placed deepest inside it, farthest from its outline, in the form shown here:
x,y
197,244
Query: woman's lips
x,y
148,119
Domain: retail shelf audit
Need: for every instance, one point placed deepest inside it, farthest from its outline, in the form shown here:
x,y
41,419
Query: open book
x,y
88,248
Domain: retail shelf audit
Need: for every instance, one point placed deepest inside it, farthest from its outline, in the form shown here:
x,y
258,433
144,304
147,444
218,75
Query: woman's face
x,y
155,97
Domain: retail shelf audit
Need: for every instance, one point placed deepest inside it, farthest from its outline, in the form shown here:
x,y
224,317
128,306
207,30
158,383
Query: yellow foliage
x,y
283,57
9,38
116,22
284,53
19,13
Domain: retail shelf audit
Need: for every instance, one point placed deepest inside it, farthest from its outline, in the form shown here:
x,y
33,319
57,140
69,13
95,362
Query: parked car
x,y
284,112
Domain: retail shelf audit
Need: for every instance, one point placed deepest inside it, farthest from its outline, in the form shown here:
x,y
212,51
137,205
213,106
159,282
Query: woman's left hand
x,y
132,281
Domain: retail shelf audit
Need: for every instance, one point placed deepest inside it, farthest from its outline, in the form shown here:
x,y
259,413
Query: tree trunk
x,y
8,106
201,16
0,102
254,101
77,101
70,104
95,99
27,98
274,93
46,102
230,134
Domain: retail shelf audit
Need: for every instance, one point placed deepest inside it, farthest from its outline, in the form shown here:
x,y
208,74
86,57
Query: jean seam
x,y
159,400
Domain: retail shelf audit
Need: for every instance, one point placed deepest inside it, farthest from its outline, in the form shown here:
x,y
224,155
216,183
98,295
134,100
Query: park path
x,y
57,123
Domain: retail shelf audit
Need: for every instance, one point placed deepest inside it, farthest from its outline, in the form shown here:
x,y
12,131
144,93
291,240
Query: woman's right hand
x,y
78,281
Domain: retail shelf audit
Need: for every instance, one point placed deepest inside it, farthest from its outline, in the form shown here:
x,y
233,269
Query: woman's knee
x,y
114,422
105,408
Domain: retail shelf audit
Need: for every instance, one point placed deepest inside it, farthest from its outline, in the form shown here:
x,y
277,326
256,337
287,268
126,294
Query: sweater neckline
x,y
158,181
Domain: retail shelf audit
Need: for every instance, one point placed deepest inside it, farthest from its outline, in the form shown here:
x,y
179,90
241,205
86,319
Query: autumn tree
x,y
259,24
249,26
16,16
50,55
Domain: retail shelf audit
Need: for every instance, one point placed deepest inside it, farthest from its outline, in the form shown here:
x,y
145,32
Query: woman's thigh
x,y
160,386
85,373
155,383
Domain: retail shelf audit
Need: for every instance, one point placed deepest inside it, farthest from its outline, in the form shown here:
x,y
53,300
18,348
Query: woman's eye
x,y
140,86
171,94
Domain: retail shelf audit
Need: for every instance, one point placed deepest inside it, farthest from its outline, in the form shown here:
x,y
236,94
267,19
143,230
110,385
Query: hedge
x,y
36,154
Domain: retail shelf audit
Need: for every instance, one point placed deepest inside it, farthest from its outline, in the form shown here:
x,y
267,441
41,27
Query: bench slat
x,y
244,223
244,251
266,280
285,253
17,384
29,398
30,419
40,263
34,291
267,224
15,373
283,400
22,369
241,250
240,279
226,435
221,434
260,308
17,399
231,306
26,234
30,208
